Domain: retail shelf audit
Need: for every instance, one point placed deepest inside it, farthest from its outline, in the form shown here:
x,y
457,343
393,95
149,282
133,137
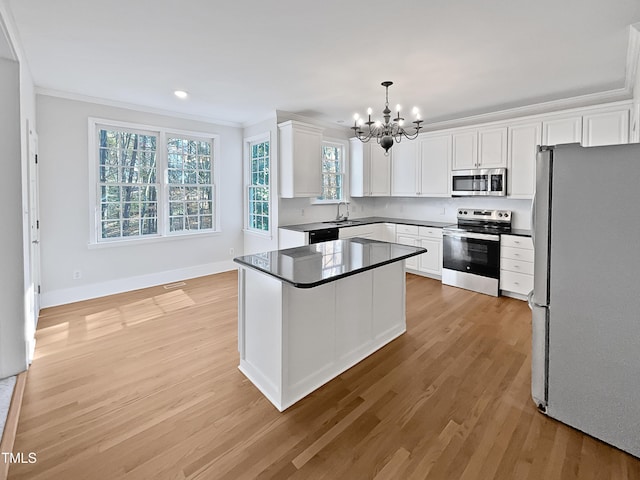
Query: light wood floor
x,y
144,385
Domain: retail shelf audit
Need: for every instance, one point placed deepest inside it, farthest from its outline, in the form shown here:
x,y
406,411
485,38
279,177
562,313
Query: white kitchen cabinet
x,y
564,129
516,265
434,165
414,241
420,168
405,169
606,128
370,169
481,148
291,238
430,262
370,230
524,140
300,159
465,150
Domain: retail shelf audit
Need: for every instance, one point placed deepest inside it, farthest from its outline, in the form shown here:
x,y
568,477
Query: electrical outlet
x,y
232,251
77,275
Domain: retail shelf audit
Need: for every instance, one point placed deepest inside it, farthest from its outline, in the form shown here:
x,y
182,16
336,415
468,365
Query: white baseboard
x,y
95,290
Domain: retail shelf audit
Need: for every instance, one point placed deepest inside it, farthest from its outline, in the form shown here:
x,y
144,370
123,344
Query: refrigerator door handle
x,y
533,219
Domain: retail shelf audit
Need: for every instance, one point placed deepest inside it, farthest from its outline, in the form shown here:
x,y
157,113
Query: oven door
x,y
469,252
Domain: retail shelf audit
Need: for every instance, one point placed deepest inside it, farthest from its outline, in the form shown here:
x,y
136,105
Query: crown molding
x,y
8,34
284,116
132,106
554,106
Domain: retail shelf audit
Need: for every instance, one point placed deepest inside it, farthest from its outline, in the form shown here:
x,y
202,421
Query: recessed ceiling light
x,y
180,94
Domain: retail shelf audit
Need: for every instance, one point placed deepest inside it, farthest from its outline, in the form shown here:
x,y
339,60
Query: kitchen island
x,y
307,314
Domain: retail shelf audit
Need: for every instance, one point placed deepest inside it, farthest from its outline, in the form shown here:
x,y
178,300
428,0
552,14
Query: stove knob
x,y
465,212
459,212
506,214
499,214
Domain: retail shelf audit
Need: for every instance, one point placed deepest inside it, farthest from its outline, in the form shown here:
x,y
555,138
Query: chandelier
x,y
385,132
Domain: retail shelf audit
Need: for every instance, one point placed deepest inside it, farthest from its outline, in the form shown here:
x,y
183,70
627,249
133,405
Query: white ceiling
x,y
241,60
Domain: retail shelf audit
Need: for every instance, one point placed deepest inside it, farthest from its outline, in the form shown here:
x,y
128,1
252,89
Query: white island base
x,y
294,340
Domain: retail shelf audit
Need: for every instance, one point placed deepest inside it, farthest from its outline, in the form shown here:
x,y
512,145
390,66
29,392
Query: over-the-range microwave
x,y
481,181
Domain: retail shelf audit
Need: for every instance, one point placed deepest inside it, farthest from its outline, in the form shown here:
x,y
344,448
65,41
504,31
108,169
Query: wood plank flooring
x,y
145,385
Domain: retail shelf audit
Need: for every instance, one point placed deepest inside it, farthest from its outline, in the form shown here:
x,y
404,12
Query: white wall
x,y
17,109
13,347
64,200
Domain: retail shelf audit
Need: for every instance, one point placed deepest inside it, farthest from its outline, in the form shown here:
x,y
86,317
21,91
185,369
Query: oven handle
x,y
478,236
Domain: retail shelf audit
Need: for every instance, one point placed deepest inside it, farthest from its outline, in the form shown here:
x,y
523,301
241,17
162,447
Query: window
x,y
258,191
332,172
189,174
127,183
150,182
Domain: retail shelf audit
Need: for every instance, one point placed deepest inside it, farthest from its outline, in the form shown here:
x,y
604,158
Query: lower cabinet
x,y
429,263
516,265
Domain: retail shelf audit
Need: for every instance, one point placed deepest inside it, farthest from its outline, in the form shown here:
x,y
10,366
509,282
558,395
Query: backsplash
x,y
435,209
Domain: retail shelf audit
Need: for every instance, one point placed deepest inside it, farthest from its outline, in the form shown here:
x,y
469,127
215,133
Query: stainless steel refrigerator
x,y
586,298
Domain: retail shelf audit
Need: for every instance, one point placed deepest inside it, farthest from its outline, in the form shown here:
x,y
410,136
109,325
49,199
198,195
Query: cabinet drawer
x,y
516,253
517,266
515,241
430,232
357,231
516,282
407,229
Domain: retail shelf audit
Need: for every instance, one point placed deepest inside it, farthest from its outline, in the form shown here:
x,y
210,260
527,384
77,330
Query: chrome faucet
x,y
342,217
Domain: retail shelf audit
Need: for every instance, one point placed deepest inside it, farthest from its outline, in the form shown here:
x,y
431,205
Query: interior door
x,y
34,240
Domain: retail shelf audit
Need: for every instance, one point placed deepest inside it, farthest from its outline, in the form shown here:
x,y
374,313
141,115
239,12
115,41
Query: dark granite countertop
x,y
310,227
313,265
519,232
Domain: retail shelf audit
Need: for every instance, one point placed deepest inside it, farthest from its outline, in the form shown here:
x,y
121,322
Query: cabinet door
x,y
492,147
435,164
356,168
523,148
562,130
404,168
465,150
431,262
300,159
379,170
608,128
411,262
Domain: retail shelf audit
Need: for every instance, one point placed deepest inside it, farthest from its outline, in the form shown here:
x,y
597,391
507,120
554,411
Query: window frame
x,y
162,133
344,172
248,142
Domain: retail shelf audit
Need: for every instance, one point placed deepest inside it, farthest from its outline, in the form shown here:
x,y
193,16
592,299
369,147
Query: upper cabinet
x,y
405,169
434,165
480,148
605,128
370,169
556,131
300,159
420,168
524,140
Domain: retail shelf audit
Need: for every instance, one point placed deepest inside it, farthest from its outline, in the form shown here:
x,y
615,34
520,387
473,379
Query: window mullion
x,y
163,187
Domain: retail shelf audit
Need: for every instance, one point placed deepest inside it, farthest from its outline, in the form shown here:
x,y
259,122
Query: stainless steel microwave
x,y
482,181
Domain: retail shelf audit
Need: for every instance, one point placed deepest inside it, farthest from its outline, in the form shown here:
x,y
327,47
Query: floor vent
x,y
174,285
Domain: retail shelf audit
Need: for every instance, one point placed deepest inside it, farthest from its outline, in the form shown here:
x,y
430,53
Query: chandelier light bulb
x,y
398,108
360,122
401,122
369,111
356,117
418,117
415,110
378,123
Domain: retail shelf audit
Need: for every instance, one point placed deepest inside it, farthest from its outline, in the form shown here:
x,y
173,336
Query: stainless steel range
x,y
471,250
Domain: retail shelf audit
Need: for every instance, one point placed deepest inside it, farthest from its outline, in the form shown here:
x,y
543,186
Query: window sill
x,y
258,233
151,240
